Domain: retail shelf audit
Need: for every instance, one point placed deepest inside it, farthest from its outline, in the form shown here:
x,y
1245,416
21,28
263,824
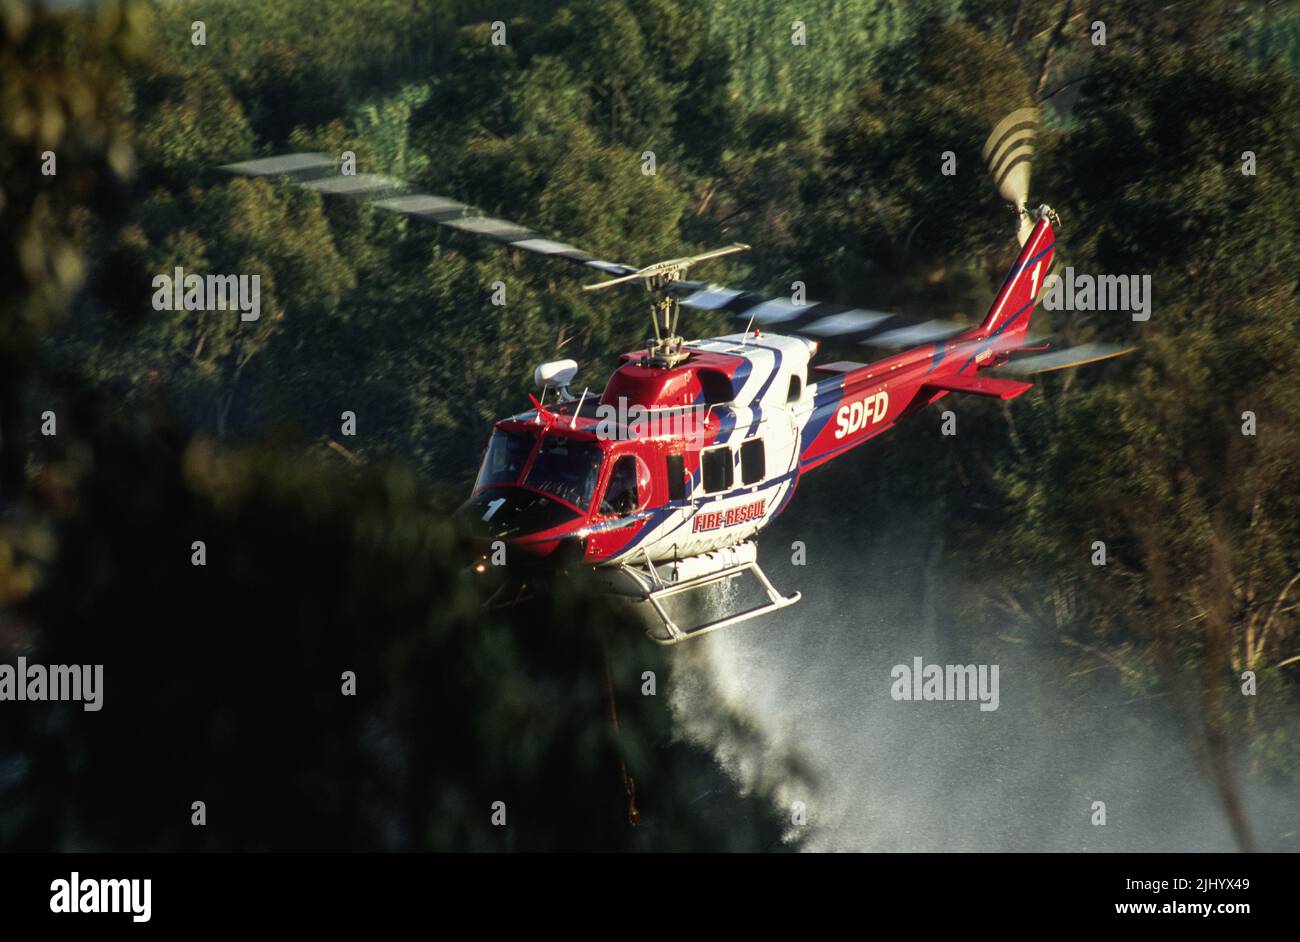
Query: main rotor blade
x,y
712,253
613,281
819,320
320,172
670,265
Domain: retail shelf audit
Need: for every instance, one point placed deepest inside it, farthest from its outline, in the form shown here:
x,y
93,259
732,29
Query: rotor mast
x,y
665,347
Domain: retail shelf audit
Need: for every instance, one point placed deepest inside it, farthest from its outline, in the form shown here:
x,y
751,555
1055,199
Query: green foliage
x,y
304,62
202,127
847,41
880,199
1269,35
385,127
301,282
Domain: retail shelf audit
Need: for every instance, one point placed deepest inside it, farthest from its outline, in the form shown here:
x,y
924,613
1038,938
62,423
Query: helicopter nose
x,y
510,514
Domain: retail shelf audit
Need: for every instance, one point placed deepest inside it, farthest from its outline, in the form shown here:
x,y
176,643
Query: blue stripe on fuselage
x,y
740,377
697,502
938,355
756,403
826,400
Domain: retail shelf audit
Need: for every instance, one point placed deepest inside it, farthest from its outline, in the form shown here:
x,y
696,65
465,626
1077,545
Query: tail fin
x,y
1012,308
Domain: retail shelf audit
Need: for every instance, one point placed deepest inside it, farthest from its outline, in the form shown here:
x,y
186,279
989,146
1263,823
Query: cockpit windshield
x,y
567,469
564,467
505,459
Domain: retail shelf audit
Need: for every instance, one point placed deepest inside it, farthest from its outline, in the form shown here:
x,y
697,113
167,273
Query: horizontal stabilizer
x,y
1062,359
981,386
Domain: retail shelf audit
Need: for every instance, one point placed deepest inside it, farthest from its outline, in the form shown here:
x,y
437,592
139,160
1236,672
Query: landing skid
x,y
507,596
654,588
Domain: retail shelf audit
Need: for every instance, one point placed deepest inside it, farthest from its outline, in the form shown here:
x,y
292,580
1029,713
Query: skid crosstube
x,y
676,634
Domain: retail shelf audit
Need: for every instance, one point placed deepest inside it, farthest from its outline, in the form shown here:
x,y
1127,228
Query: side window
x,y
621,492
752,461
718,470
676,477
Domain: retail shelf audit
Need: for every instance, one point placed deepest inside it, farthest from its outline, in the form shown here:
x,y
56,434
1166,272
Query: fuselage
x,y
669,463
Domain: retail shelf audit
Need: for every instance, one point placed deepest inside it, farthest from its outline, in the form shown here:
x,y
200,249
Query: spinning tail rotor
x,y
1009,153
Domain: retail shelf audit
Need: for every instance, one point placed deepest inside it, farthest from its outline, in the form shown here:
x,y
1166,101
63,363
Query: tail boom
x,y
859,401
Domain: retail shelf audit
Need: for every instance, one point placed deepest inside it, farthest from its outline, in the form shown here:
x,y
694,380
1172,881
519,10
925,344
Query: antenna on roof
x,y
574,421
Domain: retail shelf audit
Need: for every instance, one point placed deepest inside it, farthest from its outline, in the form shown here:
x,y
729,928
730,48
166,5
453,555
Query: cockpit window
x,y
621,491
566,469
505,459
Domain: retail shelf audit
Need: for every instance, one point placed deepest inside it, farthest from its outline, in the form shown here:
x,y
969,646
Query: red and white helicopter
x,y
662,482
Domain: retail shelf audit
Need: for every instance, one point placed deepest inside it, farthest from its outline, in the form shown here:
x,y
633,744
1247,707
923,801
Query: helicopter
x,y
670,503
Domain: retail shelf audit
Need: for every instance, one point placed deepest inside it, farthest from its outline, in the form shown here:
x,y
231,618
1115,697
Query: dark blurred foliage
x,y
64,85
223,683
